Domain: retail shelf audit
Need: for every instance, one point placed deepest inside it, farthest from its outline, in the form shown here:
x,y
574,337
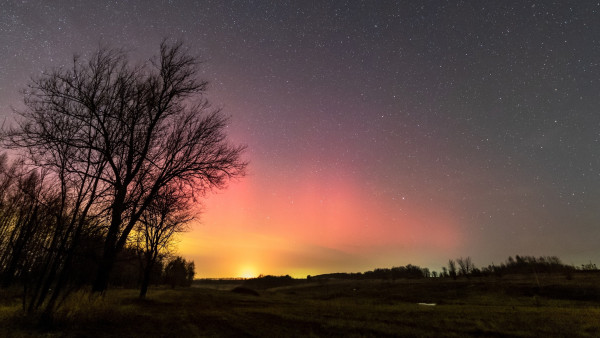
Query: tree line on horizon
x,y
464,267
107,161
456,268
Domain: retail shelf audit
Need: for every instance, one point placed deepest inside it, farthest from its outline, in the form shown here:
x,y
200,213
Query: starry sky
x,y
379,133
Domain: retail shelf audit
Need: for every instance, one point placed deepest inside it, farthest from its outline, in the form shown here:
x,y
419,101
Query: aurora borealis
x,y
379,133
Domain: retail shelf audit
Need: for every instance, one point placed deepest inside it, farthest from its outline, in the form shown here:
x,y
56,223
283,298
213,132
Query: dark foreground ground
x,y
550,306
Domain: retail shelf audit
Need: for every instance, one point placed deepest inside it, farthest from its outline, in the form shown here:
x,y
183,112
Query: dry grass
x,y
511,306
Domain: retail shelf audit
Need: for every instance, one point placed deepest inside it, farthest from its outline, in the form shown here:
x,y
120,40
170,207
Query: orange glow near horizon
x,y
248,272
315,225
378,133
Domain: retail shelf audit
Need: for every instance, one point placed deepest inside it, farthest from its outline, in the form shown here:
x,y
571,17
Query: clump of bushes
x,y
267,282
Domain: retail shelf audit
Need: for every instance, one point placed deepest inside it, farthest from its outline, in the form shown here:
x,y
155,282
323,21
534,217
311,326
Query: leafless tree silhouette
x,y
452,268
114,136
465,265
165,217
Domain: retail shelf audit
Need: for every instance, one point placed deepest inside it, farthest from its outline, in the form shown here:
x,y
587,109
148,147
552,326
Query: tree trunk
x,y
110,245
104,268
145,281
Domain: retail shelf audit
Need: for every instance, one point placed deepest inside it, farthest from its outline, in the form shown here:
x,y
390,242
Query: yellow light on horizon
x,y
248,272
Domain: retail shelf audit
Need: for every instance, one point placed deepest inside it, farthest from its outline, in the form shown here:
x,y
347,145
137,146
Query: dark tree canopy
x,y
112,136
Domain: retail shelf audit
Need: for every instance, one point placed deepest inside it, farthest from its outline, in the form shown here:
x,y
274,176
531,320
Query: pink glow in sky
x,y
379,133
316,224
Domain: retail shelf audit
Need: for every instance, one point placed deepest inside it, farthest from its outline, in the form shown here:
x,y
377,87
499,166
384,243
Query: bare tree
x,y
444,272
452,268
165,217
115,135
60,139
24,223
465,266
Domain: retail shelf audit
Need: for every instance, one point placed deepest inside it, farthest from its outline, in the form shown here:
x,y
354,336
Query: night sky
x,y
379,133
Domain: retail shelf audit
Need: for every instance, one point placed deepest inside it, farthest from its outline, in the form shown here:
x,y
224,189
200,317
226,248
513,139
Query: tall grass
x,y
476,307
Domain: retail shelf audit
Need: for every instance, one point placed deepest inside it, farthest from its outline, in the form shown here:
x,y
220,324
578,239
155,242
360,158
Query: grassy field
x,y
510,306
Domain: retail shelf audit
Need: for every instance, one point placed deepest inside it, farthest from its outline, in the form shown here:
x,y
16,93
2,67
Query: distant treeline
x,y
268,281
408,271
464,267
457,268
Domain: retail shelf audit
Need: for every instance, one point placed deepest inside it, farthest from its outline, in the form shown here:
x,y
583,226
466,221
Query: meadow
x,y
513,305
